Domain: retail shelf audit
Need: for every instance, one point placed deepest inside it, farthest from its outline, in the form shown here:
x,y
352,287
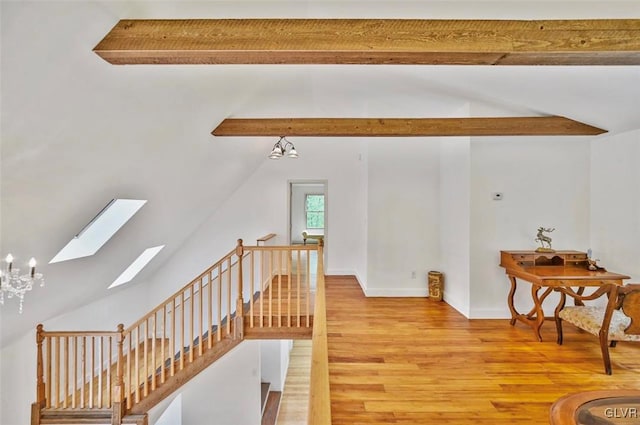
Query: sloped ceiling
x,y
77,132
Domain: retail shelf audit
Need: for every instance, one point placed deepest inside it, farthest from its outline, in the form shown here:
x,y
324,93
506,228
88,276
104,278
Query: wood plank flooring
x,y
295,397
416,361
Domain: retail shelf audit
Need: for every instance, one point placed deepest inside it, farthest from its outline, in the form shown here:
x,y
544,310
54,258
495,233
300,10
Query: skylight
x,y
136,266
100,229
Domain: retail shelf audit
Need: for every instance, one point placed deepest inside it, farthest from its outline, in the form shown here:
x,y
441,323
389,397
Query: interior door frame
x,y
325,184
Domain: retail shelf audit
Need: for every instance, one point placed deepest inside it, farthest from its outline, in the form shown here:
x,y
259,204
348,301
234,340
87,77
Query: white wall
x,y
454,220
274,361
18,360
172,415
615,202
403,199
298,212
225,393
545,182
18,380
259,207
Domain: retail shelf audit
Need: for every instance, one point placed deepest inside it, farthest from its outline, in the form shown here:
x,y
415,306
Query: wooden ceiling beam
x,y
405,127
373,41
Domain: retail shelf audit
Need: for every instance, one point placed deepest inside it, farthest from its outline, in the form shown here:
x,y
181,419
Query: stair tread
x,y
264,393
270,414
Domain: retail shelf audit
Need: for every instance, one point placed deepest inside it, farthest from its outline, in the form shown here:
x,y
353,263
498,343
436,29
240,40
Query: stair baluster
x,y
118,376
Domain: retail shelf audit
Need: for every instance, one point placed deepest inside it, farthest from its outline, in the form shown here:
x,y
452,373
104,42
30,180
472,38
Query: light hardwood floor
x,y
295,397
416,361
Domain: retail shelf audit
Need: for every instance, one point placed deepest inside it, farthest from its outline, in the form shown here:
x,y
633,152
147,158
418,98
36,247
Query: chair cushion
x,y
590,319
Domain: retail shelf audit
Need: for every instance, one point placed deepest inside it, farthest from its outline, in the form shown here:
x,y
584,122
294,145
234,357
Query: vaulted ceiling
x,y
77,131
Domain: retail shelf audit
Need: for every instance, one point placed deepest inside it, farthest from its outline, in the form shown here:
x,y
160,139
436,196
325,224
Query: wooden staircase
x,y
116,377
270,402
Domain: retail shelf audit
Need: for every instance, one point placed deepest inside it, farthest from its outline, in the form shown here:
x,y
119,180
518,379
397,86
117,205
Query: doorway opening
x,y
308,212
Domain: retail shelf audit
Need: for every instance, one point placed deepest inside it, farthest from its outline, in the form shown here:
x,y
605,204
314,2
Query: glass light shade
x,y
276,152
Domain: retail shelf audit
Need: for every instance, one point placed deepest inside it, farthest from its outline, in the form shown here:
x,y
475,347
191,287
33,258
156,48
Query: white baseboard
x,y
334,272
456,303
396,292
490,313
381,292
361,281
477,313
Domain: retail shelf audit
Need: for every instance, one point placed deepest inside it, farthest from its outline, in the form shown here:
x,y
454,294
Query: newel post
x,y
40,401
321,256
40,368
118,389
239,322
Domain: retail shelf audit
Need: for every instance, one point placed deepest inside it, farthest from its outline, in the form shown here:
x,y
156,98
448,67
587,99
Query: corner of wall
x,y
361,282
460,304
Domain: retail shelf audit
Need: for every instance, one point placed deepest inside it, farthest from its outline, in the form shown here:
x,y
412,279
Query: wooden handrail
x,y
265,238
281,248
319,391
79,333
212,268
184,288
120,370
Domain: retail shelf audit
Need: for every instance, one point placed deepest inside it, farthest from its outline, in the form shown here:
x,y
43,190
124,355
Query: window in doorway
x,y
314,209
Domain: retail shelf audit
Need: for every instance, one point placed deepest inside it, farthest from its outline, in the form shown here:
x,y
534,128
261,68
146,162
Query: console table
x,y
549,270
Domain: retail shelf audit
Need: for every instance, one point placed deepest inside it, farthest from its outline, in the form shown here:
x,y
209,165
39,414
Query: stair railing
x,y
280,292
79,370
184,326
117,370
319,392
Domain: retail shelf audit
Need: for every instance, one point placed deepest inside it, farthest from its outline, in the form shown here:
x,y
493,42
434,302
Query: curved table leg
x,y
538,320
512,309
558,320
535,317
580,291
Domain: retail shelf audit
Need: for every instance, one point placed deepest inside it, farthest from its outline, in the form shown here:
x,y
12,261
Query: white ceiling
x,y
77,132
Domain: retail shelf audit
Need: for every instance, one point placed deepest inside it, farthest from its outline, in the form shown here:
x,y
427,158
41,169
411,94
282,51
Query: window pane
x,y
315,220
315,203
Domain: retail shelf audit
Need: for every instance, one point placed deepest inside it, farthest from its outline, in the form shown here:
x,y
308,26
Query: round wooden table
x,y
606,407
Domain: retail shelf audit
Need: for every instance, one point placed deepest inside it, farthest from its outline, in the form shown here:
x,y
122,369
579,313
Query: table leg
x,y
534,311
576,301
535,317
538,320
512,309
559,307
